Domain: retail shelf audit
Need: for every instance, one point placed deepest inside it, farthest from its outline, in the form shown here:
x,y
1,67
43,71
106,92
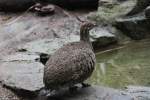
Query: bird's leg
x,y
44,92
84,85
47,92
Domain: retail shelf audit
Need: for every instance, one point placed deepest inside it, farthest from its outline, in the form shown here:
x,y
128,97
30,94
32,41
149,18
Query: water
x,y
126,65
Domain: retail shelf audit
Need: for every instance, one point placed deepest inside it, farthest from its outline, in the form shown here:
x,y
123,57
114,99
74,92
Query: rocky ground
x,y
26,38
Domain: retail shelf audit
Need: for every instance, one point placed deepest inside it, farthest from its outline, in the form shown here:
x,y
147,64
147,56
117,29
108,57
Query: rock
x,y
103,36
6,94
139,92
147,12
109,10
113,12
100,38
137,27
20,57
22,73
39,33
139,7
91,93
15,5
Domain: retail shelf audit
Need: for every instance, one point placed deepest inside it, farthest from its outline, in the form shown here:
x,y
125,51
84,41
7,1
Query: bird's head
x,y
84,30
87,26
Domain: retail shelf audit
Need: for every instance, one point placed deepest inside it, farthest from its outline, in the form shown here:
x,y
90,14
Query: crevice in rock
x,y
23,93
44,57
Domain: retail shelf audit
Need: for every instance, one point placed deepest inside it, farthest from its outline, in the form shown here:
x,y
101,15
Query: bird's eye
x,y
91,26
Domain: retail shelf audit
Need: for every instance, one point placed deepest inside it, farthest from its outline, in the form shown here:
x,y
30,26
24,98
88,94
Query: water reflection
x,y
128,65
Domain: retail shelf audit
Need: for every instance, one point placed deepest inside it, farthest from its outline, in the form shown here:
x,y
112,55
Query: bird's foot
x,y
84,85
44,92
51,93
73,88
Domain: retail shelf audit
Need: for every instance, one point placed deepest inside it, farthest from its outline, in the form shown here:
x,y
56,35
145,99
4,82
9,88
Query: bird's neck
x,y
84,34
85,37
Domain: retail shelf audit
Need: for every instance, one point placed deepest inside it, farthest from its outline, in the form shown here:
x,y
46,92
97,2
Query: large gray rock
x,y
139,7
22,72
109,10
103,36
137,27
21,32
100,37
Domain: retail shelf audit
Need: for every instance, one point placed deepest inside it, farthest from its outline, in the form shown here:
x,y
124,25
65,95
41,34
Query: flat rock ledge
x,y
103,93
89,93
22,72
136,27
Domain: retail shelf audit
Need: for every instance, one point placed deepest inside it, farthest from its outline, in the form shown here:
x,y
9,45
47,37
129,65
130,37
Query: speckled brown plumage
x,y
71,64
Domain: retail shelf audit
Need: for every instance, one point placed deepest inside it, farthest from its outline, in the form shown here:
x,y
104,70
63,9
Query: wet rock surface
x,y
91,93
101,93
135,27
109,10
128,15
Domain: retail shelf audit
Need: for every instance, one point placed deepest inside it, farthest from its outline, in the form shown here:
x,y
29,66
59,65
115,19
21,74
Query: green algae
x,y
119,68
109,12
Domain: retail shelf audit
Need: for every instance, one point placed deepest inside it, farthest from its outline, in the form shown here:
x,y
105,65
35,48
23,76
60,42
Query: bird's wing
x,y
69,66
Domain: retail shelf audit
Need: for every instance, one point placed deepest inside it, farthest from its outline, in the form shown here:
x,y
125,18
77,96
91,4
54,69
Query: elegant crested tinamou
x,y
71,64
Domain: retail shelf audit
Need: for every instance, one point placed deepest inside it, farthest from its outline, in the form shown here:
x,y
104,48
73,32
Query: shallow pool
x,y
123,66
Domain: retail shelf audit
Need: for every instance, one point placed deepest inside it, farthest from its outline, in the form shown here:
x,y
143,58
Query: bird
x,y
73,63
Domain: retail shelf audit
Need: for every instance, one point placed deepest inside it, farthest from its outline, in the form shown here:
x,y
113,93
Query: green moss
x,y
109,12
